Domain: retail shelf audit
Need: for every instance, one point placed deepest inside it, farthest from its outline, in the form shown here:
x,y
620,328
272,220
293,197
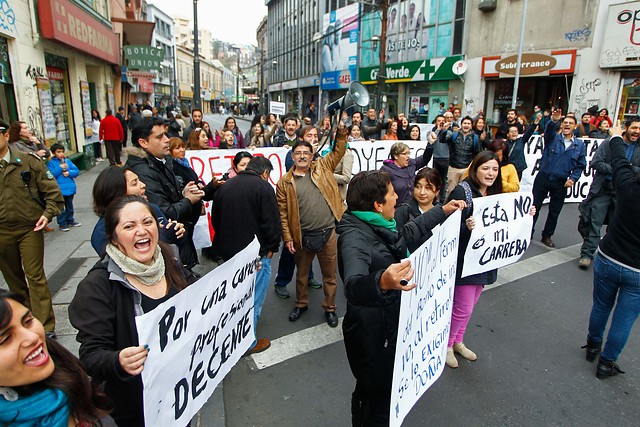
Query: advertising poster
x,y
86,107
46,110
339,52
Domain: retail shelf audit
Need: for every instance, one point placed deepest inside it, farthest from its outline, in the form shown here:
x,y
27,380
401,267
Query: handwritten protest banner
x,y
533,154
195,338
502,233
425,319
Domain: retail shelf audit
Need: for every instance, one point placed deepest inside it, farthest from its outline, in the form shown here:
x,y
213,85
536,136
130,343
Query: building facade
x,y
61,60
164,83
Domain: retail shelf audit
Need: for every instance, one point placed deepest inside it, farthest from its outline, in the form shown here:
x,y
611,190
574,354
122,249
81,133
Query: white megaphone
x,y
357,94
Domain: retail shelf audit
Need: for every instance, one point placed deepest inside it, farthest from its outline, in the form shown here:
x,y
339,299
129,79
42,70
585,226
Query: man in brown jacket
x,y
310,204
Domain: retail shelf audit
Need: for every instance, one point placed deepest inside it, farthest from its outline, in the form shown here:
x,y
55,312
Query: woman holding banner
x,y
138,273
484,180
370,259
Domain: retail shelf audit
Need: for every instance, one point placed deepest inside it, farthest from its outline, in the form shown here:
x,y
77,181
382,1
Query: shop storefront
x,y
79,51
545,80
621,53
415,88
58,127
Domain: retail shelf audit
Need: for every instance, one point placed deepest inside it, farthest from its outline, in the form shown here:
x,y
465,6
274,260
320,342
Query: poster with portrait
x,y
339,47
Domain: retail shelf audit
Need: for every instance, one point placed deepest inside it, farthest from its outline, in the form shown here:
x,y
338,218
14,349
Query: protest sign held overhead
x,y
195,338
425,319
502,233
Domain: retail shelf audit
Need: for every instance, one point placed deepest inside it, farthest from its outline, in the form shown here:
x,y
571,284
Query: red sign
x,y
145,85
65,22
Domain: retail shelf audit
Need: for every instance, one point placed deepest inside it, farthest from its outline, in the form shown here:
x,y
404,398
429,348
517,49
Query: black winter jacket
x,y
409,211
463,149
243,207
103,311
162,185
370,326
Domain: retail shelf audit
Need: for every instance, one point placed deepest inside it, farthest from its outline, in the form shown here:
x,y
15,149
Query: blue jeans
x,y
611,280
66,216
263,277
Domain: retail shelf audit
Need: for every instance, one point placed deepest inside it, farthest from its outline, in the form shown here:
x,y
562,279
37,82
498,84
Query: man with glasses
x,y
310,204
562,163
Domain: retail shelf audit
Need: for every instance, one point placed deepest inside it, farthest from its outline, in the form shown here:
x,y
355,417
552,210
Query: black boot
x,y
607,368
592,350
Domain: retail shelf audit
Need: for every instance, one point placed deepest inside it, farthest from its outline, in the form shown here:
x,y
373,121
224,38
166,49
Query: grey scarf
x,y
148,275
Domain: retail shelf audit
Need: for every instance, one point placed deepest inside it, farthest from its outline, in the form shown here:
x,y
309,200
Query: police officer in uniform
x,y
29,199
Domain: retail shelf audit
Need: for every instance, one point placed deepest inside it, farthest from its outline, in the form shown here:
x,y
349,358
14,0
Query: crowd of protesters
x,y
361,227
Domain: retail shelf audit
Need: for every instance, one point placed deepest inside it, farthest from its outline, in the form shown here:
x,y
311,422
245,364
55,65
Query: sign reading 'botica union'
x,y
143,57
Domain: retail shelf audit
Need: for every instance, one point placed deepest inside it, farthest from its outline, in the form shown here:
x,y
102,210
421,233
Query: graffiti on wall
x,y
587,94
7,19
34,72
579,35
34,120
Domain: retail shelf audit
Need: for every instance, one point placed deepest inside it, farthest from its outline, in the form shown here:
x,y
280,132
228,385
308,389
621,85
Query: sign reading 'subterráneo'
x,y
502,233
195,338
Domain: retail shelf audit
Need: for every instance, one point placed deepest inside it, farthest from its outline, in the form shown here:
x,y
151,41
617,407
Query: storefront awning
x,y
136,32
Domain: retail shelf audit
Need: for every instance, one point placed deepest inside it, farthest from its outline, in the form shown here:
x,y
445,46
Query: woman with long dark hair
x,y
22,138
238,139
484,180
138,273
41,382
113,183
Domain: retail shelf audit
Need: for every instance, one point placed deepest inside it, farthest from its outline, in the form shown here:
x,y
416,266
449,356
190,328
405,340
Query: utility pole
x,y
262,100
238,80
382,70
196,59
516,82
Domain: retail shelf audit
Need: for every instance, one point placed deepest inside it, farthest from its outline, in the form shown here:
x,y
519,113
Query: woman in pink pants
x,y
484,180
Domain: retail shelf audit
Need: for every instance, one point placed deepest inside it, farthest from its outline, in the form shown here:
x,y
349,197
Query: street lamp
x,y
196,58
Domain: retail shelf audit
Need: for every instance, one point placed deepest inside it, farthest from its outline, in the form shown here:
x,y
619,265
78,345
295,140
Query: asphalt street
x,y
527,332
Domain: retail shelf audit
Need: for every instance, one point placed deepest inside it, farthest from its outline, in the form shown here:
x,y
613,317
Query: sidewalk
x,y
69,257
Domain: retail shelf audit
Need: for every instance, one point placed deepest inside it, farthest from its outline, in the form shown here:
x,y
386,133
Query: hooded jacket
x,y
402,178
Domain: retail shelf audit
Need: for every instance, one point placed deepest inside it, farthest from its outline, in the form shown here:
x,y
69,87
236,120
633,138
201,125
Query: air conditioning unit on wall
x,y
487,5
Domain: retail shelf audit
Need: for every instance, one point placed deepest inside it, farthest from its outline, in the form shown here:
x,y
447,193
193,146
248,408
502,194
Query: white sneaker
x,y
100,160
451,360
584,263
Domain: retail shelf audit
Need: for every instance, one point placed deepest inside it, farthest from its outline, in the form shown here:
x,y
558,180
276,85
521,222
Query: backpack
x,y
475,140
468,198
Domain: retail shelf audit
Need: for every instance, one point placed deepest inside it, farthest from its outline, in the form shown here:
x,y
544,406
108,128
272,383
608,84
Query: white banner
x,y
502,233
277,108
533,153
425,319
195,338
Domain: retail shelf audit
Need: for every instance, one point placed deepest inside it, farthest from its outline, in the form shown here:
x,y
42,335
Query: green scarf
x,y
375,218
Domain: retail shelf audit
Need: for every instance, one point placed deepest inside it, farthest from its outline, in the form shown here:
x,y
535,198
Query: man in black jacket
x,y
243,208
372,128
154,167
123,122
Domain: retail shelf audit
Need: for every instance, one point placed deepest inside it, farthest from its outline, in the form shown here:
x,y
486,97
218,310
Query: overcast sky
x,y
232,21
